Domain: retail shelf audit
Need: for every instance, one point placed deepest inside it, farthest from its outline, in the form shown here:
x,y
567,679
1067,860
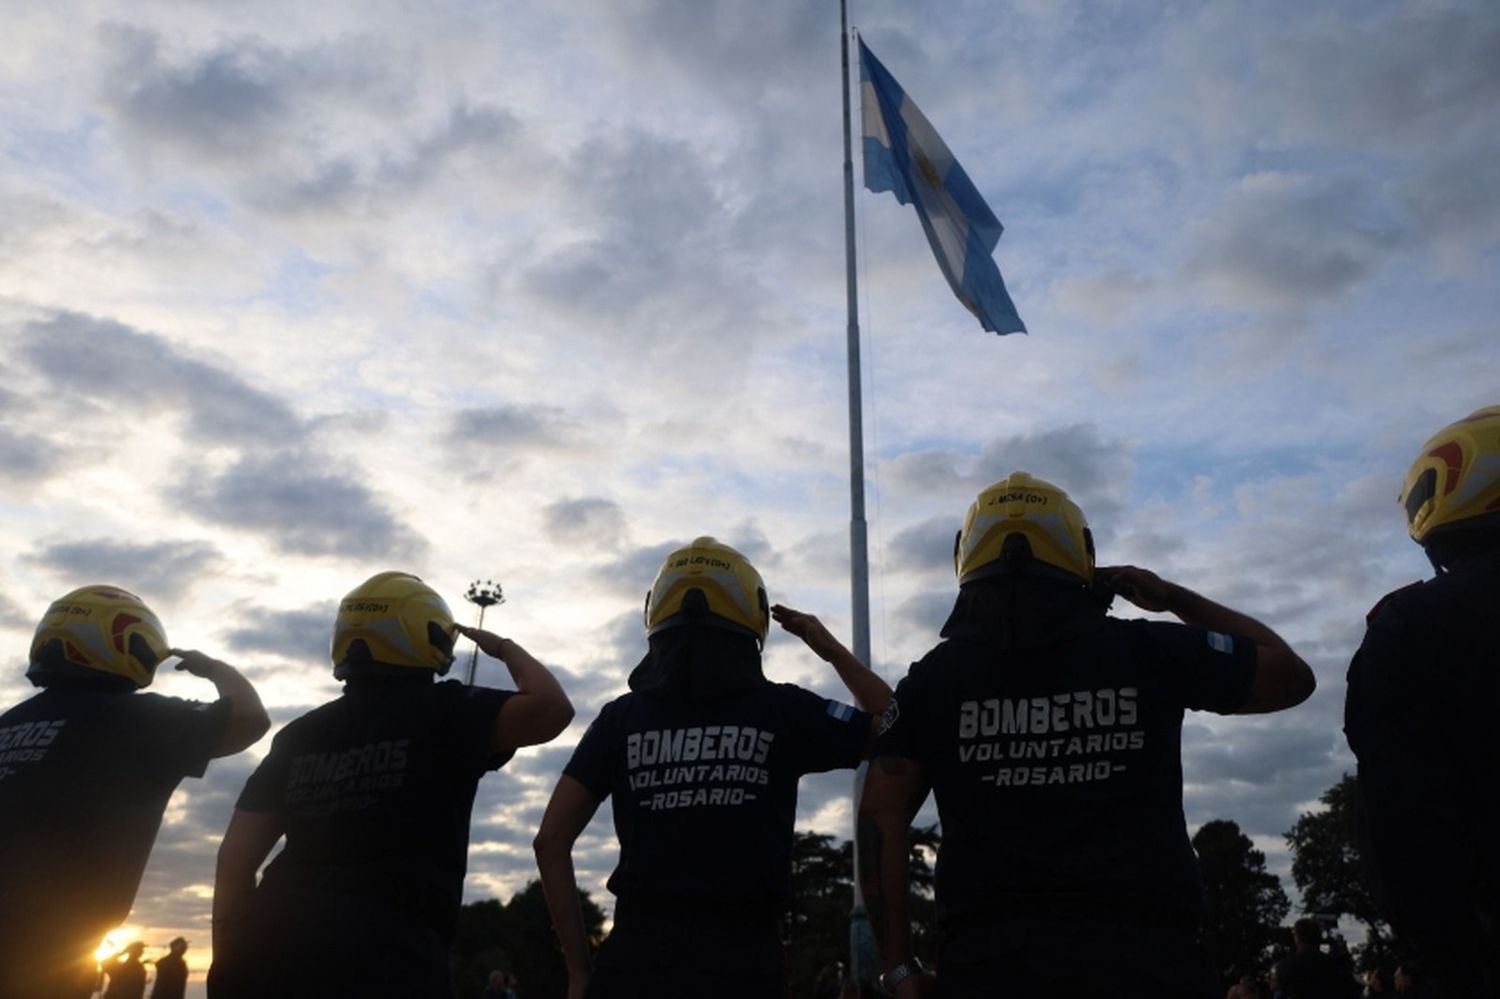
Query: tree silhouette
x,y
816,928
1327,868
517,937
1246,903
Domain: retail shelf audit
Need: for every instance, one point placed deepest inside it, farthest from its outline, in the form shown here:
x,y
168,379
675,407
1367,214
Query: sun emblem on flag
x,y
927,170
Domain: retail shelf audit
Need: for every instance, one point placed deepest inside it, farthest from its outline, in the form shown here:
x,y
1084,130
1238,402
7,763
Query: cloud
x,y
926,547
123,370
300,635
165,569
1281,241
1077,457
12,615
498,428
1403,81
657,255
592,519
301,508
25,457
925,612
633,572
232,104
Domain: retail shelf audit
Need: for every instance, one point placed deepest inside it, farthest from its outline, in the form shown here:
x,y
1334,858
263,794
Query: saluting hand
x,y
809,629
198,664
489,643
1142,587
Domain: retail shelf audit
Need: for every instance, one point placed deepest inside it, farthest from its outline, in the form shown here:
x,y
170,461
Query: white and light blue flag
x,y
905,155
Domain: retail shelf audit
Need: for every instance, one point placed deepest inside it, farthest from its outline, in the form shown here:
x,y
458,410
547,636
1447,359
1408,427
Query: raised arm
x,y
1282,679
540,709
869,690
247,842
571,808
248,720
894,789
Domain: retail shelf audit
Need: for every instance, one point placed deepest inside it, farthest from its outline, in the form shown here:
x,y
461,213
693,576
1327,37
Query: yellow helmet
x,y
1042,519
1456,478
730,587
100,628
392,619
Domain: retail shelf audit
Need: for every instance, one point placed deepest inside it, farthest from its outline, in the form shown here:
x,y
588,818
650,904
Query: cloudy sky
x,y
292,293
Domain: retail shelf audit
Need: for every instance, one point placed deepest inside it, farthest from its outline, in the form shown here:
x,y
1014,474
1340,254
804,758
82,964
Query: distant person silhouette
x,y
373,792
171,972
1308,972
127,975
87,766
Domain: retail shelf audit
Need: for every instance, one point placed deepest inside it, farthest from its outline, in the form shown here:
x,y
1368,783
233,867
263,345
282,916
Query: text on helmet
x,y
1018,496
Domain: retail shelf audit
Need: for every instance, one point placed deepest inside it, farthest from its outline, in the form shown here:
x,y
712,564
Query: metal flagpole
x,y
862,961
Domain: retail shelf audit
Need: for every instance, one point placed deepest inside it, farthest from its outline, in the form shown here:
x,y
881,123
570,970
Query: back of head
x,y
1307,933
708,583
392,624
97,635
1023,525
706,616
1451,495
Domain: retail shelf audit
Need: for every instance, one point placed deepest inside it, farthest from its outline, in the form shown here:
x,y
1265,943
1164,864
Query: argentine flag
x,y
905,155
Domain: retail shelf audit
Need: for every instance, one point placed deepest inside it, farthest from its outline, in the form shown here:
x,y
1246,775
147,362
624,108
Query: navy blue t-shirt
x,y
705,793
85,775
1419,716
377,787
1057,767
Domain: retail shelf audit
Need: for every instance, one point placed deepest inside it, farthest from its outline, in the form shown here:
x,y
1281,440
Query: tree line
x,y
1243,930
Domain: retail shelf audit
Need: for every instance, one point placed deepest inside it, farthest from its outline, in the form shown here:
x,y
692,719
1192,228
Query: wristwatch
x,y
899,974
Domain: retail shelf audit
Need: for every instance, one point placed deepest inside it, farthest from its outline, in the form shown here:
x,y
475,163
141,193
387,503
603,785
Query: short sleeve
x,y
595,761
471,715
897,733
185,735
1200,669
826,734
263,792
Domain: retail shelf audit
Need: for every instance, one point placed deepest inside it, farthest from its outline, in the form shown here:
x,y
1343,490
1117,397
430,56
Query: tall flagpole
x,y
862,962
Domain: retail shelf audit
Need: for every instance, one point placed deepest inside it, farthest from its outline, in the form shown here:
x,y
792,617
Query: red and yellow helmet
x,y
731,588
101,628
1455,480
392,619
1032,511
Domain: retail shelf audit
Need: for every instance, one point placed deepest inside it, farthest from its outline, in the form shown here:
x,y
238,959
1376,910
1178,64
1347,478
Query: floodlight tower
x,y
484,594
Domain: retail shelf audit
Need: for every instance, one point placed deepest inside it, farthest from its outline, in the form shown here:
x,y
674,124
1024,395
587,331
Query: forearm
x,y
232,892
1197,610
868,688
529,675
554,861
883,858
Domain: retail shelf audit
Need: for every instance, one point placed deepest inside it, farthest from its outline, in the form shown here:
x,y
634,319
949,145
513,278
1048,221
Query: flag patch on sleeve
x,y
1220,642
843,712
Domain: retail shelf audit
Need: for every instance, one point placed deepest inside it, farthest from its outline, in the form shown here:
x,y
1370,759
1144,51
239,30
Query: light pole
x,y
484,594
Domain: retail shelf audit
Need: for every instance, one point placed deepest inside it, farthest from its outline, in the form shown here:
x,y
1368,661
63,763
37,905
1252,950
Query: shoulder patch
x,y
843,712
1380,604
888,719
1220,642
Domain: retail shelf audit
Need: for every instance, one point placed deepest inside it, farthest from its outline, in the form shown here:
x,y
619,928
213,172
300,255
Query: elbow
x,y
547,845
1305,683
252,728
559,717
